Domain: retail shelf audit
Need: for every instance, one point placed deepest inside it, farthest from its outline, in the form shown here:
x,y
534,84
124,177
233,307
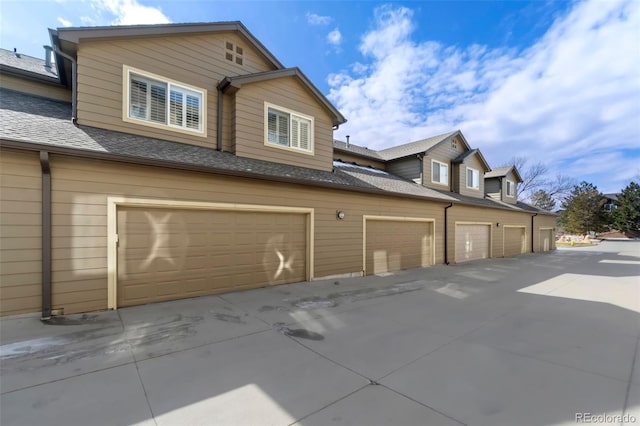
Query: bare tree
x,y
533,177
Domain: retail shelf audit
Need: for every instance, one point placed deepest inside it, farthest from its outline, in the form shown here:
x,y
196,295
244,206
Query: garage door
x,y
514,241
546,241
166,254
396,245
472,242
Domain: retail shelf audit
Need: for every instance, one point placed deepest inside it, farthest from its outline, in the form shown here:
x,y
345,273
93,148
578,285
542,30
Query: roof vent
x,y
47,57
348,140
15,50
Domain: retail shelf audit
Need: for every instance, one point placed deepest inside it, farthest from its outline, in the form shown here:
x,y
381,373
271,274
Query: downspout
x,y
219,124
46,235
536,214
74,84
446,238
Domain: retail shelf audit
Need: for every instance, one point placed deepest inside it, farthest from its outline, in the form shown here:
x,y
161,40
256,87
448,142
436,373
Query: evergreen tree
x,y
543,200
626,217
583,210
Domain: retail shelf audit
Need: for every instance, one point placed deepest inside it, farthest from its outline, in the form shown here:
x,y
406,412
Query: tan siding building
x,y
192,162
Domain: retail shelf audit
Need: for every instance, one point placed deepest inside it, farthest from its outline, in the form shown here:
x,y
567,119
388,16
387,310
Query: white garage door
x,y
472,242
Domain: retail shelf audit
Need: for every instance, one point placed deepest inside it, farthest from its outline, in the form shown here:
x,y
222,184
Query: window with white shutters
x,y
164,103
288,129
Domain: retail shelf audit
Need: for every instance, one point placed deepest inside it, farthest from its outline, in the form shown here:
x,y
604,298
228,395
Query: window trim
x,y
477,172
290,148
507,189
126,86
441,164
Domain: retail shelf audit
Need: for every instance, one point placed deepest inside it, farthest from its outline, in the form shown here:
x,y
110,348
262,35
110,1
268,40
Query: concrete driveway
x,y
534,340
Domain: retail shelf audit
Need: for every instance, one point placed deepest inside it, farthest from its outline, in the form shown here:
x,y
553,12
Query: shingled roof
x,y
28,121
357,150
25,65
503,171
416,147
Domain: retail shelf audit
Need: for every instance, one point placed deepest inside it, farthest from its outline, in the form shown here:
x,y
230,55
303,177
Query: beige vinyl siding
x,y
511,200
81,188
408,168
289,93
461,176
362,161
443,152
20,232
197,60
59,93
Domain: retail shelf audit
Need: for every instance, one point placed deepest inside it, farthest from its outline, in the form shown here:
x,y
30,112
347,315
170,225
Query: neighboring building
x,y
157,162
611,201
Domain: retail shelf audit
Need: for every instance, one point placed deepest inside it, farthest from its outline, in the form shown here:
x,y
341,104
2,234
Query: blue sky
x,y
553,81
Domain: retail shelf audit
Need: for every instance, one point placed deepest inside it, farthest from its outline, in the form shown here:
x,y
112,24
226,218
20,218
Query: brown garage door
x,y
472,242
166,254
546,240
396,245
514,241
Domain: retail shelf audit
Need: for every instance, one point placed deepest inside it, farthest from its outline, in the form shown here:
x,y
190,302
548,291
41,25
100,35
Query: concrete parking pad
x,y
533,340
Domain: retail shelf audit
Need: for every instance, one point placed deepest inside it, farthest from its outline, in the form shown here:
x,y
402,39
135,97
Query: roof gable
x,y
232,84
503,172
73,35
472,153
423,145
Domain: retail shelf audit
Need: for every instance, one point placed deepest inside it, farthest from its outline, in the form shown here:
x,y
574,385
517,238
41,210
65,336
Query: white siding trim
x,y
112,226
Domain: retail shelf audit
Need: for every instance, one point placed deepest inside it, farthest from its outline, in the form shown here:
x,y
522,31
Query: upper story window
x,y
439,172
473,178
233,52
511,188
159,102
288,129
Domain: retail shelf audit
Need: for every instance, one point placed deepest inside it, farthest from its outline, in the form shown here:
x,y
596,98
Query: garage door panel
x,y
397,245
472,242
166,254
514,241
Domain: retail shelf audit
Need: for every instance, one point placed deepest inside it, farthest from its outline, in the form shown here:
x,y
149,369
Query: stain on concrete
x,y
299,333
333,300
236,319
83,320
267,308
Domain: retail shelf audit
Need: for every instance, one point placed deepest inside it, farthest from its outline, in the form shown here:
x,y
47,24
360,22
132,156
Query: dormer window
x,y
439,172
155,101
473,178
288,129
511,188
233,52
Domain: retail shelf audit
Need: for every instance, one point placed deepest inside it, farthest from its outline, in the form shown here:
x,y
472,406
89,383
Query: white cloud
x,y
314,19
131,12
64,22
334,37
572,94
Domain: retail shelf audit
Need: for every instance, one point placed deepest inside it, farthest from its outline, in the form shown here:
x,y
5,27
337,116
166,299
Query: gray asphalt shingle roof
x,y
413,147
498,172
357,150
45,123
23,62
35,120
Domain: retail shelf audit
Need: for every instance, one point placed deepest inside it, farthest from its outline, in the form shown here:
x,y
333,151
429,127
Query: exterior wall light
x,y
340,214
497,224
